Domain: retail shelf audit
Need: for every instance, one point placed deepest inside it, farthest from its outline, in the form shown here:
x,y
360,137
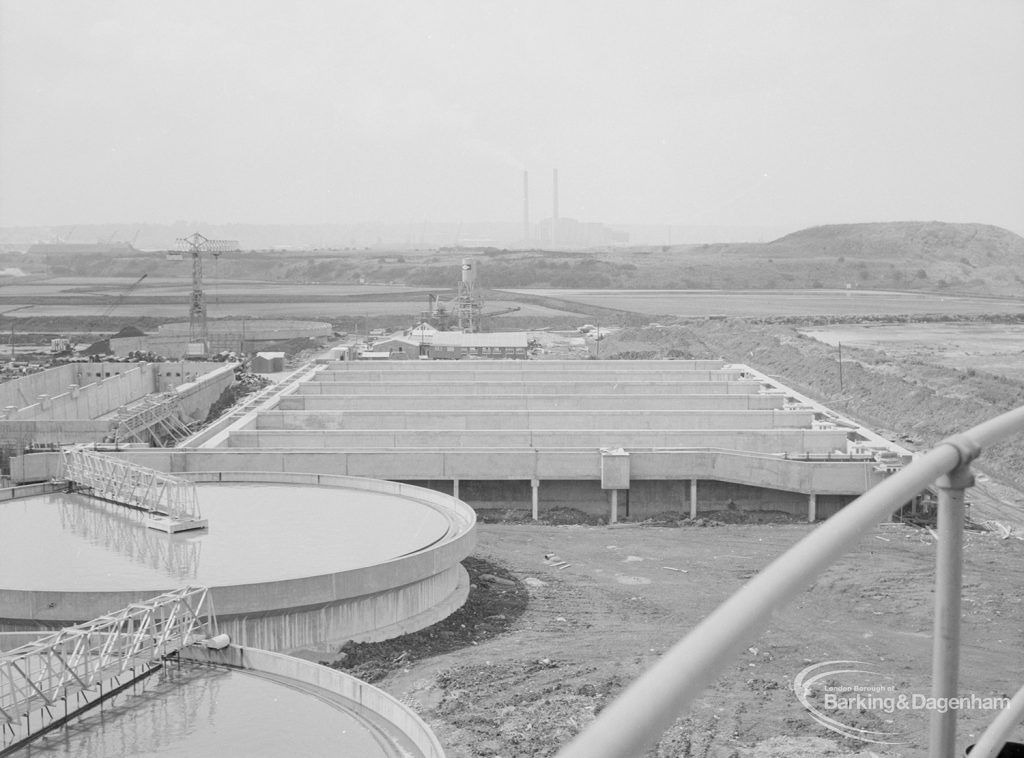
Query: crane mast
x,y
197,246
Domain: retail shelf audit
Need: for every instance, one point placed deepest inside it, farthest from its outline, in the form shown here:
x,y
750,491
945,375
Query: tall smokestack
x,y
526,206
554,210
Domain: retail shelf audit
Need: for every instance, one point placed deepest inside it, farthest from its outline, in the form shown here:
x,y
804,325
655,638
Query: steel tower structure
x,y
197,246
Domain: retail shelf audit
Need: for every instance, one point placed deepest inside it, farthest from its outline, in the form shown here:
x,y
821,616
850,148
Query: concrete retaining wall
x,y
30,490
25,390
533,367
539,420
545,387
90,401
18,435
198,395
443,375
757,440
771,471
520,402
303,673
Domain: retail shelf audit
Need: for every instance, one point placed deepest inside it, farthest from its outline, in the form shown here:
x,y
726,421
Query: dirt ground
x,y
629,592
993,348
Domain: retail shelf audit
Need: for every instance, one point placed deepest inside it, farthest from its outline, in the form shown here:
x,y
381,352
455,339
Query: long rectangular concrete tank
x,y
554,419
758,440
441,376
529,402
597,387
398,367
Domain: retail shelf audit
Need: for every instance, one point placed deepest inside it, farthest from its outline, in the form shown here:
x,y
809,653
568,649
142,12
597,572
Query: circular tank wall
x,y
294,562
257,330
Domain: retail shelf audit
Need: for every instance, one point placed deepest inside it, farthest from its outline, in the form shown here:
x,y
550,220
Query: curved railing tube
x,y
635,720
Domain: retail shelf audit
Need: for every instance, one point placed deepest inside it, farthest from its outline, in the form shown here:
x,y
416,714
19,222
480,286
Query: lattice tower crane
x,y
197,246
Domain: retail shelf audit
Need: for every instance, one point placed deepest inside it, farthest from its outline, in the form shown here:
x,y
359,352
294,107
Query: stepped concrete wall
x,y
521,402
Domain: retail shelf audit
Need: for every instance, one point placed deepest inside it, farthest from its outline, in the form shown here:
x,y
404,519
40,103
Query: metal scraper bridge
x,y
170,502
45,683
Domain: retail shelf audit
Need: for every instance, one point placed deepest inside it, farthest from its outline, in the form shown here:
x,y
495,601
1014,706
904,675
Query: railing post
x,y
948,584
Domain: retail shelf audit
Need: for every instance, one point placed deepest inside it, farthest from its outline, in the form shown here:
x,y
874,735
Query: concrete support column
x,y
613,517
455,488
693,498
534,499
812,508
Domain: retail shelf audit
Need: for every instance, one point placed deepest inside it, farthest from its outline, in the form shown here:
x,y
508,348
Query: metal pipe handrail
x,y
636,719
993,738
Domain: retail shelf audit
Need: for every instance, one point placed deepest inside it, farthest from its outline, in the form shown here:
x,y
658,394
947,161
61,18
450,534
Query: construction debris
x,y
994,526
553,560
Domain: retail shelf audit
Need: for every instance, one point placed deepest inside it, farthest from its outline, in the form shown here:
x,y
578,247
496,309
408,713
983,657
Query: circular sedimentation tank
x,y
188,708
295,563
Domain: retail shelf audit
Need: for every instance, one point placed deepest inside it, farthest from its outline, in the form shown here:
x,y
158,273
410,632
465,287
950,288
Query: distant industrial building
x,y
455,345
568,232
429,343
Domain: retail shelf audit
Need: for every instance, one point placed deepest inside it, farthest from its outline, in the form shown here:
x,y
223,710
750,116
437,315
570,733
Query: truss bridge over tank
x,y
154,419
47,681
170,501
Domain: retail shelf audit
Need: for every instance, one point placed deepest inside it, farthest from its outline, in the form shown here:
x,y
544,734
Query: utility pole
x,y
13,322
840,366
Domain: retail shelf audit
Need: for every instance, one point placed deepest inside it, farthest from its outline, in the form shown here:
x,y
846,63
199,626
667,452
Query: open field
x,y
167,298
591,628
764,303
993,348
317,311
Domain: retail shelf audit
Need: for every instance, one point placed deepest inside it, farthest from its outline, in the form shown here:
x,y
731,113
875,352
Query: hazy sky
x,y
785,113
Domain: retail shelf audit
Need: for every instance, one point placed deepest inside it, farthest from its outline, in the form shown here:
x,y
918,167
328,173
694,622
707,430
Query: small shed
x,y
268,363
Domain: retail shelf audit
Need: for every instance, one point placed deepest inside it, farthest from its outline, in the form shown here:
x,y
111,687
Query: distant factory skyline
x,y
780,115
